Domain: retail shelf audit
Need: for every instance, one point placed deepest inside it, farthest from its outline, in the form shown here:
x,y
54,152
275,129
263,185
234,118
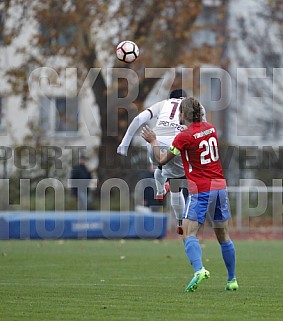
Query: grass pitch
x,y
135,280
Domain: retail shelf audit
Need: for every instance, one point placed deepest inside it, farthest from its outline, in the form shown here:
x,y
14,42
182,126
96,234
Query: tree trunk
x,y
111,165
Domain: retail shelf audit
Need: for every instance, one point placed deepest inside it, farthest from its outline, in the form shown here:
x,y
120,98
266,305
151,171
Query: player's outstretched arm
x,y
137,122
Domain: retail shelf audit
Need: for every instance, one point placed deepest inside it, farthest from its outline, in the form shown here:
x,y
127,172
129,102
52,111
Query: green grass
x,y
135,280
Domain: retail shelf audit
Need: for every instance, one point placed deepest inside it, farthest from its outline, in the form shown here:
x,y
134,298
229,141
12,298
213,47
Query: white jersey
x,y
166,128
167,125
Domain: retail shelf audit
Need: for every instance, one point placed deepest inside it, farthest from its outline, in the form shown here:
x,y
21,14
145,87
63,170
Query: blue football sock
x,y
228,254
194,253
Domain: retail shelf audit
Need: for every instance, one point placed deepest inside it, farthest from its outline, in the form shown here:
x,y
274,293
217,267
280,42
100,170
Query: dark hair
x,y
191,108
178,93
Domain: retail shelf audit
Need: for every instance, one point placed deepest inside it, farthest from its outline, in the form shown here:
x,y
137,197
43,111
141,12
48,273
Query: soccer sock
x,y
159,181
178,204
194,253
228,254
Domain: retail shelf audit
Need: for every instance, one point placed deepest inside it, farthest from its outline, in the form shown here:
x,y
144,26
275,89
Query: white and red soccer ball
x,y
127,51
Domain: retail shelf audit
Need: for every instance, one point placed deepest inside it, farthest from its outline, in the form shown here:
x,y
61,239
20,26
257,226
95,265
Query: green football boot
x,y
232,285
199,276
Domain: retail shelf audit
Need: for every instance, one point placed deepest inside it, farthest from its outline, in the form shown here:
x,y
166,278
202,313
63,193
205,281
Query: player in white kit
x,y
166,128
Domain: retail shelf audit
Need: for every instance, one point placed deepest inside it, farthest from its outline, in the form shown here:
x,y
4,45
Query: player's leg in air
x,y
176,196
162,187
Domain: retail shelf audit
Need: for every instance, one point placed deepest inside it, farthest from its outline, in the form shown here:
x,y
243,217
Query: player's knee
x,y
222,235
190,228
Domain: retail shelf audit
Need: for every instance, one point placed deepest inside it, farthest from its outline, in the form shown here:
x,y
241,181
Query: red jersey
x,y
198,145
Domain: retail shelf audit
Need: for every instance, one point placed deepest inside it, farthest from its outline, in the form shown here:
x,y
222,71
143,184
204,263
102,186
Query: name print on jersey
x,y
204,133
165,123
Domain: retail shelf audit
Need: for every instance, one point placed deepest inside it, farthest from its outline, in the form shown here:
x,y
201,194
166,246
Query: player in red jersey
x,y
198,145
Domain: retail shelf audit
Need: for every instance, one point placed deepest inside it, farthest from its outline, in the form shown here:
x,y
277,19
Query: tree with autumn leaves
x,y
92,29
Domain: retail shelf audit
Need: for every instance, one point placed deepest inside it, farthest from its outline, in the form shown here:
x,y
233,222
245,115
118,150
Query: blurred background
x,y
63,91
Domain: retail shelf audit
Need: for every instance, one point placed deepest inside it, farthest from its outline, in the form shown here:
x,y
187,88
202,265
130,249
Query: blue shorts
x,y
215,203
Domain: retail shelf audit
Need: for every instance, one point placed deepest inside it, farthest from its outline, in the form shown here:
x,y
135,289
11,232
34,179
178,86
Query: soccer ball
x,y
127,51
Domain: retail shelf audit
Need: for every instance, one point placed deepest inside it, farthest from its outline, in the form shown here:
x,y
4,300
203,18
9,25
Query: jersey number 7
x,y
174,108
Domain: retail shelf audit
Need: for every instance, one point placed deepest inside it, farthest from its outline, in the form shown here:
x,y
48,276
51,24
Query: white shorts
x,y
174,168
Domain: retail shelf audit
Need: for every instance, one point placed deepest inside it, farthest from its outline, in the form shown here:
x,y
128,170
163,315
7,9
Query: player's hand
x,y
122,150
148,134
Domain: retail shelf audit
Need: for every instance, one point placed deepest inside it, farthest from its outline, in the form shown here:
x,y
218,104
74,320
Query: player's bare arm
x,y
162,157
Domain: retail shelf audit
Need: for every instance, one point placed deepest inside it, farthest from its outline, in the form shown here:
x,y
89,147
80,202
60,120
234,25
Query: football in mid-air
x,y
127,51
